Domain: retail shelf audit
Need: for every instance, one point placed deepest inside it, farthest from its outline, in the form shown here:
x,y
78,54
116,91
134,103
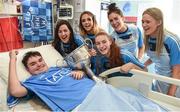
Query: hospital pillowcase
x,y
49,54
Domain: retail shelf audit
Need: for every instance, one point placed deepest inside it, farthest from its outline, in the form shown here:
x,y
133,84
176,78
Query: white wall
x,y
94,6
174,21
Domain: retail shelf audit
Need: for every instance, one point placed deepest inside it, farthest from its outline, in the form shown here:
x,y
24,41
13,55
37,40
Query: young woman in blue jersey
x,y
66,40
113,56
163,49
89,28
127,36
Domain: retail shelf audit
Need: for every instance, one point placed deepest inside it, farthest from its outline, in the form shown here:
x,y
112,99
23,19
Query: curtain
x,y
10,37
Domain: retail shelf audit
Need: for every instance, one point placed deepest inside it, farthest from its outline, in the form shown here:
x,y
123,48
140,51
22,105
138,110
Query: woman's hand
x,y
77,74
148,62
126,67
92,52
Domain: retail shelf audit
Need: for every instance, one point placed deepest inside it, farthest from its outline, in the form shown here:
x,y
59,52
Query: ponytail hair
x,y
113,9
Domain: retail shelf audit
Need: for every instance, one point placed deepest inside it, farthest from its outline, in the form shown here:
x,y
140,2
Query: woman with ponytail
x,y
127,36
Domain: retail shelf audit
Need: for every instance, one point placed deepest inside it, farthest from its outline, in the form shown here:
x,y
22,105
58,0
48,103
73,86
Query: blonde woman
x,y
163,49
89,28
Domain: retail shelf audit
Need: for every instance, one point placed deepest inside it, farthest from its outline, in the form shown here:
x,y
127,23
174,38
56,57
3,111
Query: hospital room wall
x,y
84,5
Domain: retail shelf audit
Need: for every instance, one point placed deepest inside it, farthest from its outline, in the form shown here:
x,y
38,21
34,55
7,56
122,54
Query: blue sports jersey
x,y
58,89
90,36
130,40
101,63
78,39
169,57
65,48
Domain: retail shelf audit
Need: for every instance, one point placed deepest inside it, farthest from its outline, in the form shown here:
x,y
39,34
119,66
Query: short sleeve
x,y
173,44
79,40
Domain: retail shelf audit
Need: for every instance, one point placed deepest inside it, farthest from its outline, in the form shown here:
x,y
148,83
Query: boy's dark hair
x,y
28,55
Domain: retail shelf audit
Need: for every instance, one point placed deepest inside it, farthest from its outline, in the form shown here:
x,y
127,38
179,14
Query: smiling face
x,y
64,33
87,22
150,25
36,65
103,44
117,22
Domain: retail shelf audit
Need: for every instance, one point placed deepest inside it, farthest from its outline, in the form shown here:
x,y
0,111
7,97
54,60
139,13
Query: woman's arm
x,y
141,52
141,45
176,75
148,62
131,62
14,86
128,66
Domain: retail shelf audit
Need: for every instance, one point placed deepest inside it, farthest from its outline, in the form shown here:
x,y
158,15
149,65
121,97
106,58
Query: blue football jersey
x,y
58,89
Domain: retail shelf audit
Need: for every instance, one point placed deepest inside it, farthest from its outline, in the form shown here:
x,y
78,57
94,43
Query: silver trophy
x,y
80,59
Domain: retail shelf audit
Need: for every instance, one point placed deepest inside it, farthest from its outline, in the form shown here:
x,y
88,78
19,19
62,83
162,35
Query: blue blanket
x,y
104,97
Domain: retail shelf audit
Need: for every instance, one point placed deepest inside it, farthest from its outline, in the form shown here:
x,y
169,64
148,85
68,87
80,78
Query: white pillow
x,y
3,89
49,54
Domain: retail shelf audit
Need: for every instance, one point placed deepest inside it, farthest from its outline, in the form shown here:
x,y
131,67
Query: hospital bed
x,y
140,81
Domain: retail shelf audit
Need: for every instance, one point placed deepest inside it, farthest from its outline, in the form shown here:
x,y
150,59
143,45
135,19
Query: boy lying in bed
x,y
59,88
63,89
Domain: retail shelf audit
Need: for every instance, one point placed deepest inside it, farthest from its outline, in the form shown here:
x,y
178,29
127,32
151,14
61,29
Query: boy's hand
x,y
77,74
12,54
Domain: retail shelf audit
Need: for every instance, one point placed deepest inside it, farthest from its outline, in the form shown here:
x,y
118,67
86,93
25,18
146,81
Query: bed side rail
x,y
142,81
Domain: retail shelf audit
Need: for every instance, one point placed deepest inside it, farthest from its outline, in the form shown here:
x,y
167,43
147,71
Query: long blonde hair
x,y
158,16
95,29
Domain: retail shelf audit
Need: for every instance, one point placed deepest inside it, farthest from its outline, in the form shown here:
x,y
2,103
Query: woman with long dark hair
x,y
65,40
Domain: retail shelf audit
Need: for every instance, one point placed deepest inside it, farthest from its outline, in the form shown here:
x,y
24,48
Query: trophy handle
x,y
61,63
89,43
